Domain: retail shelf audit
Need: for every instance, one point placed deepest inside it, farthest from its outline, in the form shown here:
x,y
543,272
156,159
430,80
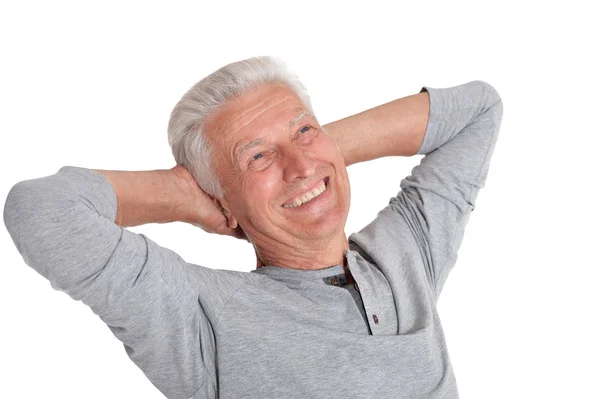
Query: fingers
x,y
224,229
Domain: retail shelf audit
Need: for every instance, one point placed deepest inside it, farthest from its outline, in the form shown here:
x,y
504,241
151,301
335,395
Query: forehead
x,y
254,113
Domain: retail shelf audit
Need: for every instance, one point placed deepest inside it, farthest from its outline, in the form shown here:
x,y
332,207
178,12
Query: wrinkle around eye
x,y
309,135
305,137
259,163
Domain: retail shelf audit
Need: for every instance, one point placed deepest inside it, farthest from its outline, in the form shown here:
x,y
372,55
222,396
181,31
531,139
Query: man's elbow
x,y
16,208
492,97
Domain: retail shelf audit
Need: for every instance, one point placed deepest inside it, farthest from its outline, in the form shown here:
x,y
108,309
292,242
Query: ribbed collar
x,y
327,275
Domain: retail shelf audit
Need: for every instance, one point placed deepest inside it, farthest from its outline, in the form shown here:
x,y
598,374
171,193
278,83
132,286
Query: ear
x,y
231,220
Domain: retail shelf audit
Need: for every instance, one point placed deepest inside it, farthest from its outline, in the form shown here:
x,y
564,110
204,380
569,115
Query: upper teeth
x,y
308,196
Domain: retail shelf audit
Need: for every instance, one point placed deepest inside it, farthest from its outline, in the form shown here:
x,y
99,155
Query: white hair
x,y
189,117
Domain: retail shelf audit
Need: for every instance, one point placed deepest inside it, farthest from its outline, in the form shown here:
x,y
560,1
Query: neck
x,y
312,255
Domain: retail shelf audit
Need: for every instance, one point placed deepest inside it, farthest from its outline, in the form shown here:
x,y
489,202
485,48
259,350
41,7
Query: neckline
x,y
303,274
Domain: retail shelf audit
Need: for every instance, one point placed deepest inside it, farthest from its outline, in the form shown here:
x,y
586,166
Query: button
x,y
376,319
356,286
335,281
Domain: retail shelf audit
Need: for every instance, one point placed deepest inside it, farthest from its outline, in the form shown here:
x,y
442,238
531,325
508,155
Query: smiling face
x,y
272,156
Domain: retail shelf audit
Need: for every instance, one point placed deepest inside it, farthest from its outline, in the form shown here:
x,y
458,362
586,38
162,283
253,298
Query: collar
x,y
331,275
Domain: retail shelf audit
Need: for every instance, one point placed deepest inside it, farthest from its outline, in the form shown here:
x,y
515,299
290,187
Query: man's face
x,y
268,152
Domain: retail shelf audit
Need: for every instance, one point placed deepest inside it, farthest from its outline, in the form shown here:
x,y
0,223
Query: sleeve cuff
x,y
429,144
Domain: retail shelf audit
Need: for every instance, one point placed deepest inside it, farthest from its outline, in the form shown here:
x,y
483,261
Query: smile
x,y
309,195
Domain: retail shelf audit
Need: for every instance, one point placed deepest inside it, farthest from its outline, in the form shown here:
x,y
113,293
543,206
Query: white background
x,y
92,84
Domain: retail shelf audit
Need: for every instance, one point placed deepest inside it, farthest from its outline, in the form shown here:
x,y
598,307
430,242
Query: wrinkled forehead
x,y
261,103
253,114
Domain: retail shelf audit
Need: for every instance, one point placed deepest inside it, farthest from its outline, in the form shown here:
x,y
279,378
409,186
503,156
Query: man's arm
x,y
164,196
64,227
396,128
154,196
429,215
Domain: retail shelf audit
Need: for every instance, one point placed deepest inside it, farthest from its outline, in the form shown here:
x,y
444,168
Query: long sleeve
x,y
63,226
429,215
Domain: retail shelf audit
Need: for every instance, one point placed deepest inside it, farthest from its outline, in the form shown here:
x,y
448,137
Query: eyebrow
x,y
298,117
261,140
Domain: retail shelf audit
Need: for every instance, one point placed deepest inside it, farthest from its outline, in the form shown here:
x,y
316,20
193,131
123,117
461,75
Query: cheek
x,y
329,149
332,154
261,190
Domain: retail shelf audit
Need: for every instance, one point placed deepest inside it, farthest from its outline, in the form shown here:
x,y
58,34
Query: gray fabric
x,y
200,332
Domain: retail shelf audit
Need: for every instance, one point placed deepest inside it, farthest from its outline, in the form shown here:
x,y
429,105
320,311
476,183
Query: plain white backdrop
x,y
92,84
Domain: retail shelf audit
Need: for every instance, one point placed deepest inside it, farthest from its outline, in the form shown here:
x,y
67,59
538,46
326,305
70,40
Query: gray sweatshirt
x,y
274,332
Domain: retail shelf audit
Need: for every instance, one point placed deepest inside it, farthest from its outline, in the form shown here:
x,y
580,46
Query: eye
x,y
306,134
260,161
257,156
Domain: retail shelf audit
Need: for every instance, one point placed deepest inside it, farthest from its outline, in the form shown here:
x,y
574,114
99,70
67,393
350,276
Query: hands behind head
x,y
204,213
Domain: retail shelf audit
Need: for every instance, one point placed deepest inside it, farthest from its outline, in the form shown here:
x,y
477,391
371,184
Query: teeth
x,y
308,197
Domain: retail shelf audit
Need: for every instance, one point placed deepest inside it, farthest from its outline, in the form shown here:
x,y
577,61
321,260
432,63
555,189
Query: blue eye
x,y
302,130
257,155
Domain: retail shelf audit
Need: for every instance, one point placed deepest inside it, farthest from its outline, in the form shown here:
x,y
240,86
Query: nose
x,y
298,164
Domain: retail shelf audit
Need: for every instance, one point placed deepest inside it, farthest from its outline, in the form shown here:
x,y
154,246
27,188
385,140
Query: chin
x,y
328,225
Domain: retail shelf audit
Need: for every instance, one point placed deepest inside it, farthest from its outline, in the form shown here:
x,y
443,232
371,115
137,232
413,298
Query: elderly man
x,y
323,315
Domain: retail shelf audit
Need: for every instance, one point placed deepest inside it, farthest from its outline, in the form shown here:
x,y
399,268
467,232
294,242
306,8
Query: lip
x,y
325,179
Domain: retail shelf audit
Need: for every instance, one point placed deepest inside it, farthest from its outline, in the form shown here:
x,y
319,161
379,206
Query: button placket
x,y
374,324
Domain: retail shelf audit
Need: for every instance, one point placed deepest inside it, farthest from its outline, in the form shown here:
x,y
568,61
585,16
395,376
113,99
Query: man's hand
x,y
205,214
200,208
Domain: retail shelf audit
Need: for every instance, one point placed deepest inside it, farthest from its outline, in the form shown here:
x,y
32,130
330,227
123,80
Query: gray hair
x,y
189,117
